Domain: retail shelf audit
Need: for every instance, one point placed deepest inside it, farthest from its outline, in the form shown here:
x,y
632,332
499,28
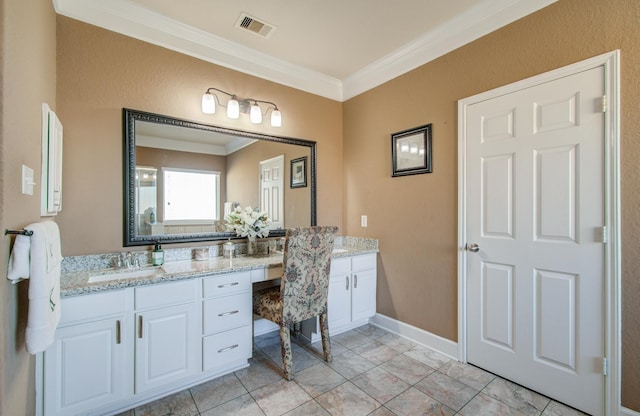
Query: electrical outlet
x,y
363,221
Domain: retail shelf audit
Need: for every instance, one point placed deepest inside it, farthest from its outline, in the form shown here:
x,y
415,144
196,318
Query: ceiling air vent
x,y
255,26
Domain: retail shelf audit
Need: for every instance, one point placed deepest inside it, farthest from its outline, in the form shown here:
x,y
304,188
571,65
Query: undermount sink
x,y
125,274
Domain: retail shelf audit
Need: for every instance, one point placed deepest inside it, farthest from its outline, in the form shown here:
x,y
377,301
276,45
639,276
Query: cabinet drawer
x,y
225,348
363,262
91,307
165,294
341,266
221,314
226,284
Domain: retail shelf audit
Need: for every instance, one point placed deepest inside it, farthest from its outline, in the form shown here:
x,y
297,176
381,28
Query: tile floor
x,y
373,373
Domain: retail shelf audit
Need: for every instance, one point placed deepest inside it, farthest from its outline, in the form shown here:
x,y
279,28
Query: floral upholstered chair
x,y
303,289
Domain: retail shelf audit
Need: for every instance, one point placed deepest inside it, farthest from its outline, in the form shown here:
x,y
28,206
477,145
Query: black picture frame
x,y
299,172
411,151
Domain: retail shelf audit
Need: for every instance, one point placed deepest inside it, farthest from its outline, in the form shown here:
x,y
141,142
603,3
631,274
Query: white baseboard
x,y
415,334
628,412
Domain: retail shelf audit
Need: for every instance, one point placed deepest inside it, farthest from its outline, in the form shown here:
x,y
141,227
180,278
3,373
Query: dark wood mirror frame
x,y
129,164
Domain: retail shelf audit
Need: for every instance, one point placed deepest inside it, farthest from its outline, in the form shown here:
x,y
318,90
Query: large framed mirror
x,y
181,177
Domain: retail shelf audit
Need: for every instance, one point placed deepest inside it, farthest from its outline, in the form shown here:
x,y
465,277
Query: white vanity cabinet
x,y
166,334
352,292
352,295
118,349
87,367
339,298
363,287
226,321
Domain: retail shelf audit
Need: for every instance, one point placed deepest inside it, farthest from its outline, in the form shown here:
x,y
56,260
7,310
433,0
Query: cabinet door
x,y
85,367
167,347
363,296
339,301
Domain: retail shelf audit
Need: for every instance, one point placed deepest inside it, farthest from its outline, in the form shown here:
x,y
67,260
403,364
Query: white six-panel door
x,y
272,189
535,209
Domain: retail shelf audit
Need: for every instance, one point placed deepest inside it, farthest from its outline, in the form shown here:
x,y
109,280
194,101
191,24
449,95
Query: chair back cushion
x,y
305,283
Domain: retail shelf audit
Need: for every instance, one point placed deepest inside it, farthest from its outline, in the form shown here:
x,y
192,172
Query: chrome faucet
x,y
120,260
133,261
127,260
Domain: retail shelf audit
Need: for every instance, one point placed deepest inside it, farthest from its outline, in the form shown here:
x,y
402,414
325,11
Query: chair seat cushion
x,y
267,303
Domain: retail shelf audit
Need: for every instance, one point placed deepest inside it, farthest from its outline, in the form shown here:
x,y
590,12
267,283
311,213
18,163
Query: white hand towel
x,y
19,259
52,241
44,286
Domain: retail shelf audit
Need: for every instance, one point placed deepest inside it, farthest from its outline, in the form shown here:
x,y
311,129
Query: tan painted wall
x,y
27,51
100,72
243,167
416,220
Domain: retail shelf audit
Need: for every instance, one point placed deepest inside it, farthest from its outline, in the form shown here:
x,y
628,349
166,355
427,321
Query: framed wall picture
x,y
299,172
411,151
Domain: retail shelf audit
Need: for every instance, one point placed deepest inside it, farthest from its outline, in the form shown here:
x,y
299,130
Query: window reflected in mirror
x,y
190,196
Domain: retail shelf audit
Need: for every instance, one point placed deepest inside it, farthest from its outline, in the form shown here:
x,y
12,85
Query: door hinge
x,y
605,234
605,366
604,104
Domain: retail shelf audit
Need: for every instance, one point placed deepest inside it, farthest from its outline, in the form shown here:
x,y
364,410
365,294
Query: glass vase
x,y
252,245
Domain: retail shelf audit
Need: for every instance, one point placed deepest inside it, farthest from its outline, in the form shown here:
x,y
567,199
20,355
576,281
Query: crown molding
x,y
480,20
137,22
132,20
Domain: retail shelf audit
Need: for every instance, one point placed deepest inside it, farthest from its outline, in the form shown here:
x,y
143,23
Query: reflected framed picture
x,y
299,172
411,151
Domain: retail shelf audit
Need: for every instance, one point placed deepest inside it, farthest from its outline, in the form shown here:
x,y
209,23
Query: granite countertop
x,y
74,283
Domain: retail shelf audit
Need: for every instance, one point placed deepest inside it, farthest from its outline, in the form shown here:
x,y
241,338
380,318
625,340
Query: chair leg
x,y
326,340
287,358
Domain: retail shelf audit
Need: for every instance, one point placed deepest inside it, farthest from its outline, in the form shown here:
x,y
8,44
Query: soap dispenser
x,y
157,255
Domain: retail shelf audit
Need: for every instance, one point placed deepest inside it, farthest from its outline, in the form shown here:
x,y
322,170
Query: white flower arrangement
x,y
248,222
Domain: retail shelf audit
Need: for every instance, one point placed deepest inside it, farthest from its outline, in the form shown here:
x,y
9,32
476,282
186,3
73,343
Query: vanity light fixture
x,y
235,106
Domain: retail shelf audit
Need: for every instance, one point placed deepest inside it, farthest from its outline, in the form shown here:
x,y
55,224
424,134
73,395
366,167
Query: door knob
x,y
473,247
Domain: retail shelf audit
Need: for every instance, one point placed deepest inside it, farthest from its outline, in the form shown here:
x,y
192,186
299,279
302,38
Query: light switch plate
x,y
363,221
27,180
